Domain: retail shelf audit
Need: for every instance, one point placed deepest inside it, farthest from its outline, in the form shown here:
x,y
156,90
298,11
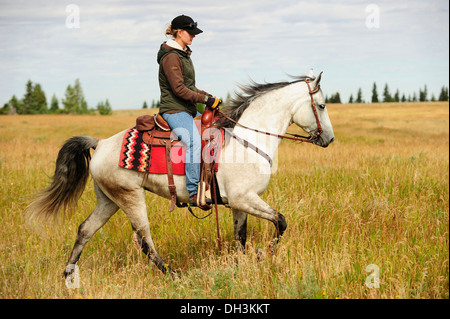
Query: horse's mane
x,y
236,106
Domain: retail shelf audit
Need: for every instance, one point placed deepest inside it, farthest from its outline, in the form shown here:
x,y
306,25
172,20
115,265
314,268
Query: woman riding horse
x,y
179,96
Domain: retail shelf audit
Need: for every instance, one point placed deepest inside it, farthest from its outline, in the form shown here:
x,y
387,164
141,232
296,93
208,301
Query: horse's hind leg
x,y
102,212
132,202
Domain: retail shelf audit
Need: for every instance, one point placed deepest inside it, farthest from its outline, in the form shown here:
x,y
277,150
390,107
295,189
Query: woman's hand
x,y
213,102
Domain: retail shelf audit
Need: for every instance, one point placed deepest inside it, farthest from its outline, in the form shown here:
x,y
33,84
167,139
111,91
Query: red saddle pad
x,y
134,154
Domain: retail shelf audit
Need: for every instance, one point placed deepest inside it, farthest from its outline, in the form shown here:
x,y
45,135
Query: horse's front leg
x,y
251,203
280,227
240,228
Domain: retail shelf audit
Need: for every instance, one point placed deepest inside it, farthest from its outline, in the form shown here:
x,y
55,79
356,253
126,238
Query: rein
x,y
294,137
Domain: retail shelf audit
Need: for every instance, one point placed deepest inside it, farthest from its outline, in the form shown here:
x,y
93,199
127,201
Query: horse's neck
x,y
269,113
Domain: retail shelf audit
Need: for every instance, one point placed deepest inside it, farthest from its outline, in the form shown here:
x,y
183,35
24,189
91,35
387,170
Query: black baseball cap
x,y
185,23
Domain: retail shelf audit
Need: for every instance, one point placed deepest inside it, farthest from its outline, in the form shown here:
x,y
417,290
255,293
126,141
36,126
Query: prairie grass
x,y
378,195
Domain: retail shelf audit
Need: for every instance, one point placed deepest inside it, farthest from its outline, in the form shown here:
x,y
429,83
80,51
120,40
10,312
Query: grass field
x,y
379,195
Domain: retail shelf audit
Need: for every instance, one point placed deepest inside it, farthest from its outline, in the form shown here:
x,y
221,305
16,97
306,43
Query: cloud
x,y
114,50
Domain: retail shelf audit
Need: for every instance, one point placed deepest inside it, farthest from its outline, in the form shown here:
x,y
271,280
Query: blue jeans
x,y
182,124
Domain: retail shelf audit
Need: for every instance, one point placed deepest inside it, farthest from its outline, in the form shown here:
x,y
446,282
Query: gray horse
x,y
242,177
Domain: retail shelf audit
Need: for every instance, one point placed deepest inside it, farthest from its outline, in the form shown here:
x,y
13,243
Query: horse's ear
x,y
317,80
310,74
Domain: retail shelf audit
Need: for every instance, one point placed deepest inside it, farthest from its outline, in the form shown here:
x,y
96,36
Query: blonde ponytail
x,y
172,33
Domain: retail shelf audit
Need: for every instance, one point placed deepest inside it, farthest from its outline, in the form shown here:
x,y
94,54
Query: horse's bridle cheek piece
x,y
313,104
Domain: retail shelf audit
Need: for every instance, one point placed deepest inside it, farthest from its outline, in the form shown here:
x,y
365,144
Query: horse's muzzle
x,y
320,141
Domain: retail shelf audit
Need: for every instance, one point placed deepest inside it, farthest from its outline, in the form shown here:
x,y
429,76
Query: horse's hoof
x,y
174,275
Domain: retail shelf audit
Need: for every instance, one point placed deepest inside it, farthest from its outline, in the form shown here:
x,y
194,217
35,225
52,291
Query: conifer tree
x,y
15,105
33,101
359,96
443,96
11,107
386,95
374,93
27,101
69,101
54,104
39,101
423,94
5,109
350,100
397,96
74,101
104,108
81,102
334,98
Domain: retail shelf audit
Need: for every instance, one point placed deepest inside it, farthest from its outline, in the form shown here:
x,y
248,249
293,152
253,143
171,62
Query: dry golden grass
x,y
378,195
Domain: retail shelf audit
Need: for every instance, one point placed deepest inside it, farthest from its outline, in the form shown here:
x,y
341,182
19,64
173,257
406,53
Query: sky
x,y
111,46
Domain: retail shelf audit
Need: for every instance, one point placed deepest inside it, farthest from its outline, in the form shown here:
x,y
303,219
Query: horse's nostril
x,y
331,141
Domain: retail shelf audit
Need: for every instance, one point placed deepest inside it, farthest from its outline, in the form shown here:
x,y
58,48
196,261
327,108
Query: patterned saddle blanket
x,y
135,153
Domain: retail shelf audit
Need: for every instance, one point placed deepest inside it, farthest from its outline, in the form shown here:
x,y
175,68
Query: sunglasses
x,y
191,25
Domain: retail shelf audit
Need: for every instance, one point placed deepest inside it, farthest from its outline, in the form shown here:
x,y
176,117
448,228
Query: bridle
x,y
295,137
311,93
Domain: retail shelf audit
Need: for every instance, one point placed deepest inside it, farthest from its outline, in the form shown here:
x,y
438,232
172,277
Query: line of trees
x,y
421,96
155,104
34,101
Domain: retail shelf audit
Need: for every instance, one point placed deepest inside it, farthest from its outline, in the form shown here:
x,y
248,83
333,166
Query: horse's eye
x,y
322,106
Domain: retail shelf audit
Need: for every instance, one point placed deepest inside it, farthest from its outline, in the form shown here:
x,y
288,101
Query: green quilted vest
x,y
169,101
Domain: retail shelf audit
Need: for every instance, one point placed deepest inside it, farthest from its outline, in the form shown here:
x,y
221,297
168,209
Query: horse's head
x,y
311,114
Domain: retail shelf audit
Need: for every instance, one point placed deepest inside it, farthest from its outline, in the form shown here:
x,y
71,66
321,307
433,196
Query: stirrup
x,y
194,202
203,195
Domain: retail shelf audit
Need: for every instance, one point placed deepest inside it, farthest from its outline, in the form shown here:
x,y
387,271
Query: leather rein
x,y
294,137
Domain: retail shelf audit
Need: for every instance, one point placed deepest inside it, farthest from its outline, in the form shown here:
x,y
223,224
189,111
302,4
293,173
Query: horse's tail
x,y
68,182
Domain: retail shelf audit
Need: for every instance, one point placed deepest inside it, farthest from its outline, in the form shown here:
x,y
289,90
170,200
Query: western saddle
x,y
157,132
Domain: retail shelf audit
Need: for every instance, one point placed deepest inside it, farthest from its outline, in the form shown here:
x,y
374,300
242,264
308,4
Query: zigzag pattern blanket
x,y
134,155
